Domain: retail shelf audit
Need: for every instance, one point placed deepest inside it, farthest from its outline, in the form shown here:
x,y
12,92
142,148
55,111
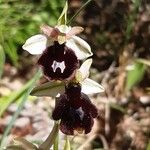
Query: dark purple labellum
x,y
58,62
75,111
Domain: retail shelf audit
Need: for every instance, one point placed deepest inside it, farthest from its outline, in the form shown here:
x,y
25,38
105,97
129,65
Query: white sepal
x,y
84,69
36,44
91,87
80,47
49,89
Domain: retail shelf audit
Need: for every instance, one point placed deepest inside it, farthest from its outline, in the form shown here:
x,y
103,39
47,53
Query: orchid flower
x,y
60,50
75,111
73,107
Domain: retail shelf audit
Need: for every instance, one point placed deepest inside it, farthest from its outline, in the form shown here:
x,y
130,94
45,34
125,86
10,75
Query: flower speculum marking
x,y
80,112
60,65
58,62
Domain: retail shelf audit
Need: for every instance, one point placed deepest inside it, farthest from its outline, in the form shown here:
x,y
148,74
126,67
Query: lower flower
x,y
75,111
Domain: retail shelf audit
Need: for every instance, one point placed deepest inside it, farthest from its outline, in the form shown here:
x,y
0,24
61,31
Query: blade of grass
x,y
11,51
24,98
79,10
7,100
131,19
2,60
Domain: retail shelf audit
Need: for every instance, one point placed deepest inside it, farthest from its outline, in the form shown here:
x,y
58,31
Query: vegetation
x,y
118,34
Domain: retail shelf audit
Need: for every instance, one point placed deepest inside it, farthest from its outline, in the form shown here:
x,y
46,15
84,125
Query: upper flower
x,y
60,48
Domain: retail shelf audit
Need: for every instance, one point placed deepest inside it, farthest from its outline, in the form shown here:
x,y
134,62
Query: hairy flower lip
x,y
76,112
58,62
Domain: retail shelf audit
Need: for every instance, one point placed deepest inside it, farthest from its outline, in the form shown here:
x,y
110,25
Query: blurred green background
x,y
19,19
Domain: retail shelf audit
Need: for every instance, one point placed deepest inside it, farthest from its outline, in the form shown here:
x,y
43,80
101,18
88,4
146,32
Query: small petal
x,y
91,87
49,31
74,31
84,69
36,44
80,47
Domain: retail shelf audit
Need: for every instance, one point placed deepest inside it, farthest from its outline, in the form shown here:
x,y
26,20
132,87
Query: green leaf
x,y
135,76
67,144
14,147
24,98
49,89
63,17
23,143
2,60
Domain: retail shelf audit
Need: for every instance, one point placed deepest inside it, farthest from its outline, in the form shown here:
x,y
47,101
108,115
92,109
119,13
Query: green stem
x,y
51,138
79,10
67,144
56,142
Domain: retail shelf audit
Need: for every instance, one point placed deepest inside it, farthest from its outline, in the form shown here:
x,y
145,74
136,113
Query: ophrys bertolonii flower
x,y
60,50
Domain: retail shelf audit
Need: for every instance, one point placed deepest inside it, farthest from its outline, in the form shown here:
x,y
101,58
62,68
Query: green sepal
x,y
49,89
